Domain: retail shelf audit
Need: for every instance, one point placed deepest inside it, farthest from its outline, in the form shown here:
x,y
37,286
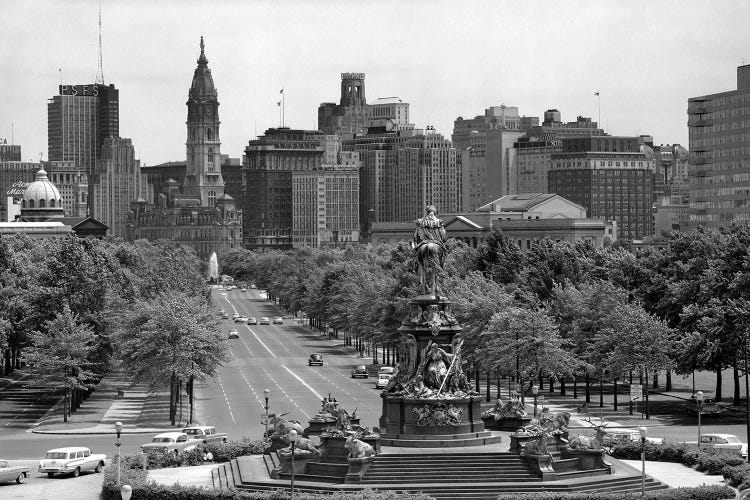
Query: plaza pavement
x,y
143,412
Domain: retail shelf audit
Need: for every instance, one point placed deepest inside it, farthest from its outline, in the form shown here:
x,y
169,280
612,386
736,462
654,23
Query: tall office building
x,y
719,161
325,206
267,180
612,177
117,182
79,119
198,213
9,152
402,172
73,183
350,116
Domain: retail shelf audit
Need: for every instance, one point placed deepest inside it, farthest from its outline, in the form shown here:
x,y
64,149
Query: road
x,y
274,357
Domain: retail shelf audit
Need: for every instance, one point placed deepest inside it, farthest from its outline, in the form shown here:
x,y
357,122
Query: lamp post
x,y
699,400
643,431
535,391
126,491
293,438
266,394
118,430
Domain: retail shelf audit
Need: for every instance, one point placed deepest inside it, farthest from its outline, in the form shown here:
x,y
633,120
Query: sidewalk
x,y
139,410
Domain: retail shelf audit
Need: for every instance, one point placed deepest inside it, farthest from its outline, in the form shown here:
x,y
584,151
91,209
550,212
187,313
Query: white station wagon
x,y
72,460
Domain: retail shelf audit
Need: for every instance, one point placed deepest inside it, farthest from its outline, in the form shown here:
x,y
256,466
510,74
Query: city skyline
x,y
644,59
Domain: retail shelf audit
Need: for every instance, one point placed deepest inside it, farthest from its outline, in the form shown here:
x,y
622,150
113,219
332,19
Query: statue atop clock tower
x,y
203,173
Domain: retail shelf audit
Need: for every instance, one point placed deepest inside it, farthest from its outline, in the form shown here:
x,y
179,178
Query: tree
x,y
528,339
173,337
59,357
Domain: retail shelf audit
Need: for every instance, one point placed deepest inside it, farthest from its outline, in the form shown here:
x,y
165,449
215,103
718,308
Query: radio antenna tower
x,y
100,74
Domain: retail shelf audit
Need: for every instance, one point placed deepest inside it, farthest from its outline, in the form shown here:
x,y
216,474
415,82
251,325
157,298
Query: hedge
x,y
709,460
221,452
699,493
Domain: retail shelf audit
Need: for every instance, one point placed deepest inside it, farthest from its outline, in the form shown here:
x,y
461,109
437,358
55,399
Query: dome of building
x,y
41,193
203,84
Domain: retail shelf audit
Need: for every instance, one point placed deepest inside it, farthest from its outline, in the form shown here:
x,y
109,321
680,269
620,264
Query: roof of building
x,y
75,222
203,84
42,189
388,100
516,202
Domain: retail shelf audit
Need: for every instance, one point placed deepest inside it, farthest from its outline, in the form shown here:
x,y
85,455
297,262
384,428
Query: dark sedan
x,y
359,372
315,359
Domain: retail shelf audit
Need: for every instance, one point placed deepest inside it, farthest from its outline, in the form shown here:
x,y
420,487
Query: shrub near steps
x,y
699,493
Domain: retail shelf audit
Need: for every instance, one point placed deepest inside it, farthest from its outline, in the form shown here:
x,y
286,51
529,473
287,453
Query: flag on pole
x,y
596,93
281,91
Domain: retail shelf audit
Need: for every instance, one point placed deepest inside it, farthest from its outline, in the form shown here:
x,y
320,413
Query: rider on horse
x,y
429,239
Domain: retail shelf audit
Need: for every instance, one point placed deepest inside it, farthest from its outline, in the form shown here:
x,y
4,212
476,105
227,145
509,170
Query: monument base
x,y
433,423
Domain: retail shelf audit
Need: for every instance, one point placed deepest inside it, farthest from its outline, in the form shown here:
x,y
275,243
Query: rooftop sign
x,y
352,76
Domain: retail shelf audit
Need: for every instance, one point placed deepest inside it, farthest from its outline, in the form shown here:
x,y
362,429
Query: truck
x,y
205,433
71,460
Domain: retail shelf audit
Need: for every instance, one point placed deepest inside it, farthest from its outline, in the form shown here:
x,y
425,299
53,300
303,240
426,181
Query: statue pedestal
x,y
318,426
433,423
505,424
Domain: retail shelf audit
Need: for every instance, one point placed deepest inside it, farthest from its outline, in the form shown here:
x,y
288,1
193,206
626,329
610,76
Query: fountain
x,y
429,401
213,267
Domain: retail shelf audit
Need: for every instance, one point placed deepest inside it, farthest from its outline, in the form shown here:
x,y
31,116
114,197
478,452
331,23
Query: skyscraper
x,y
79,119
267,180
719,161
350,115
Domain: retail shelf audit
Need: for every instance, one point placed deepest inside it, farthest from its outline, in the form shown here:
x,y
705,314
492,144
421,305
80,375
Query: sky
x,y
446,58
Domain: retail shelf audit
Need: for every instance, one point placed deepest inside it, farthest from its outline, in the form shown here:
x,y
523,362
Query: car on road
x,y
169,442
265,321
315,359
234,334
278,320
15,473
243,289
71,460
621,435
360,371
707,407
240,319
235,315
723,442
253,287
252,320
224,315
385,374
205,433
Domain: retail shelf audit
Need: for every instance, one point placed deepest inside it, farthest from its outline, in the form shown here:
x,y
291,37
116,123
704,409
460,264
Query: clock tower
x,y
203,173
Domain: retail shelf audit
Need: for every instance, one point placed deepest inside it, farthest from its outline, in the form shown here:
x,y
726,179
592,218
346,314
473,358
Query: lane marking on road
x,y
261,342
317,394
354,397
246,346
227,400
304,413
230,303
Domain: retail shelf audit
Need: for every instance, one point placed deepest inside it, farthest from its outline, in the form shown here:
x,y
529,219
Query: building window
x,y
31,203
52,203
211,156
211,198
209,134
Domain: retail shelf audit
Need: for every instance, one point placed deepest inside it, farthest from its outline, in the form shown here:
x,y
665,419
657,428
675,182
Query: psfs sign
x,y
80,90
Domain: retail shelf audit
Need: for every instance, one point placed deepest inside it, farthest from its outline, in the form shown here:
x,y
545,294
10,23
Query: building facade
x,y
719,161
350,116
9,152
402,172
115,184
325,206
196,212
267,181
533,159
73,184
612,177
11,174
79,119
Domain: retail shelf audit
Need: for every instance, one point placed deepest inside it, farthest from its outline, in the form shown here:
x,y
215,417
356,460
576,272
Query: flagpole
x,y
599,100
283,95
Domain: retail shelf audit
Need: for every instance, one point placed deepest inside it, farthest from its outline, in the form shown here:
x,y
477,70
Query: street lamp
x,y
126,491
266,394
118,430
293,438
535,391
699,400
643,431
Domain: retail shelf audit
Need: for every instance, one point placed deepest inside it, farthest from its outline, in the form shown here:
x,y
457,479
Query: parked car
x,y
620,435
15,473
243,289
707,407
205,434
252,320
360,371
386,370
265,321
234,334
723,441
169,442
253,287
72,460
278,320
224,315
315,359
241,319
